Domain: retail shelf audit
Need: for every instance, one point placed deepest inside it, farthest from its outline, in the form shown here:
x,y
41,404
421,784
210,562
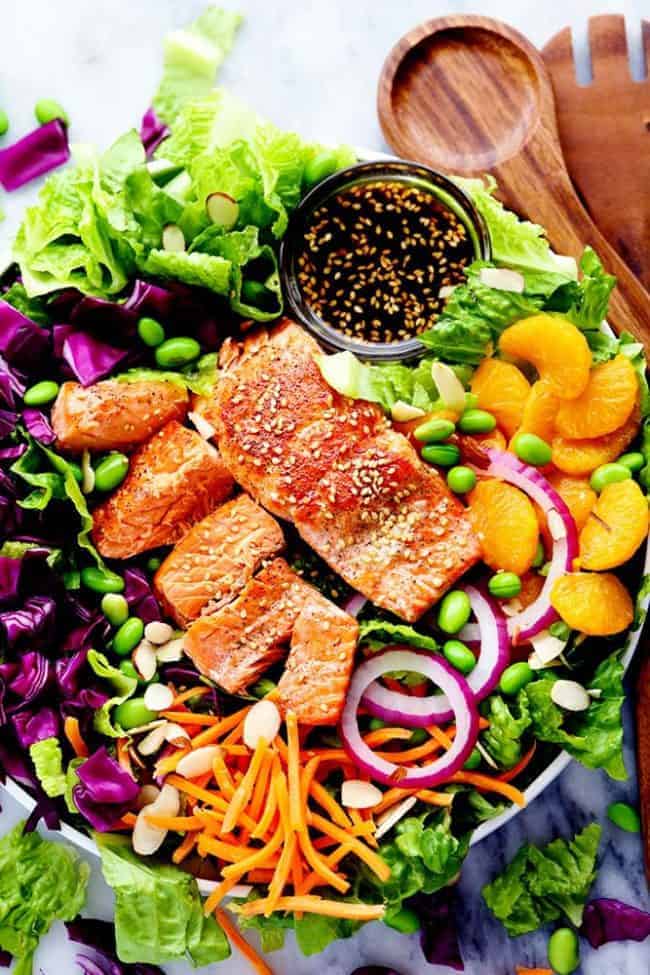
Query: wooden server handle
x,y
643,747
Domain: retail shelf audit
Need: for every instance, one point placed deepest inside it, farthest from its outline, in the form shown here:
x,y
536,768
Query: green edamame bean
x,y
111,471
434,430
624,816
471,399
319,167
177,352
129,670
477,421
609,474
154,563
539,556
560,630
404,921
257,294
76,471
461,480
474,760
515,677
115,608
459,656
133,713
505,585
4,122
151,332
454,612
442,455
263,687
47,109
376,724
564,951
101,580
634,461
532,449
41,393
128,636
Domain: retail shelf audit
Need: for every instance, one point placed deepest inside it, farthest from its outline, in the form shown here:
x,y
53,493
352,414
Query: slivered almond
x,y
262,721
449,386
570,695
205,429
502,279
173,238
144,660
223,210
158,697
392,816
170,652
176,735
88,472
357,794
147,839
158,632
147,794
154,741
149,726
402,412
197,762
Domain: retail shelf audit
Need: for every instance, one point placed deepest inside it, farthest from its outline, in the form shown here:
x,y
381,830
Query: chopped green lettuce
x,y
508,723
542,885
378,632
40,882
191,59
200,270
122,684
595,736
158,909
385,384
199,378
585,302
48,762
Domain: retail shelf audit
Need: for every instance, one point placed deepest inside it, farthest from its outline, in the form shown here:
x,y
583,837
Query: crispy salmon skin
x,y
112,415
212,564
174,480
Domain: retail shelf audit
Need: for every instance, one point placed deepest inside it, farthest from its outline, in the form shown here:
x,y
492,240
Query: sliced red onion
x,y
454,687
540,614
355,604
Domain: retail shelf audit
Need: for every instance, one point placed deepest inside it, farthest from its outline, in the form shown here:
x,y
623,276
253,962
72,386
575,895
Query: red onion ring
x,y
354,604
454,687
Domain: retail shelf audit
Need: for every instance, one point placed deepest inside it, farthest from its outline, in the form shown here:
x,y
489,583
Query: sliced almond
x,y
205,429
486,755
512,606
556,526
547,647
170,652
449,386
393,816
402,412
223,210
88,473
502,279
173,238
447,290
144,660
570,695
154,741
158,632
158,697
566,264
357,794
175,734
147,839
168,802
147,794
262,721
198,762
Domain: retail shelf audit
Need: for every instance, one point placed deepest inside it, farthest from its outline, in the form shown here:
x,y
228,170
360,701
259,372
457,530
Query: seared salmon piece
x,y
389,526
235,645
319,666
174,480
278,423
111,415
215,560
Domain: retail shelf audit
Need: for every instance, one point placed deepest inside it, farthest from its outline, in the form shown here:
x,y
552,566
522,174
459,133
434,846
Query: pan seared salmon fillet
x,y
111,415
235,645
174,480
211,565
319,666
278,423
356,490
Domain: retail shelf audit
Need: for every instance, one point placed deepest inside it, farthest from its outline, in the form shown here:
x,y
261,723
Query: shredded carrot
x,y
199,691
435,798
317,905
211,735
189,717
262,827
306,778
260,876
168,764
235,937
178,824
319,866
314,880
123,756
236,751
209,798
259,792
379,737
488,784
243,792
73,734
293,744
129,819
281,875
230,852
517,769
184,848
235,735
371,859
330,805
222,776
259,858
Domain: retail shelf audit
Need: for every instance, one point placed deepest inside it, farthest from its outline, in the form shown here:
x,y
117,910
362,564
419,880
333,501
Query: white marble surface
x,y
313,66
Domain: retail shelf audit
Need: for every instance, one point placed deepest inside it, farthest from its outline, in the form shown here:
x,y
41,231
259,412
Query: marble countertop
x,y
312,66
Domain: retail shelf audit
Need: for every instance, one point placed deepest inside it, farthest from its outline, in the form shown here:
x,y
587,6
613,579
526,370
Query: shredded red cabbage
x,y
99,938
606,919
89,359
105,791
35,154
152,131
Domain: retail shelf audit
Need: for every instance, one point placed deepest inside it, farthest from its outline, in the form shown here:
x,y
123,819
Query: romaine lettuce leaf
x,y
122,684
384,384
542,885
48,762
199,378
508,723
377,632
585,302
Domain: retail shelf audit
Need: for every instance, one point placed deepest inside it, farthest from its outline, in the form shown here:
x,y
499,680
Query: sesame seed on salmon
x,y
174,480
112,415
211,565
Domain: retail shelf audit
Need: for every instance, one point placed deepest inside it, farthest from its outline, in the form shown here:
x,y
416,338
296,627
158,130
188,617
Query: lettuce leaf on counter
x,y
40,882
158,909
542,885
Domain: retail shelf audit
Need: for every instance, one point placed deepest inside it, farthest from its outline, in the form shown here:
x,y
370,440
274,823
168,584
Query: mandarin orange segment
x,y
584,456
616,527
597,604
604,406
493,439
538,416
576,493
505,521
558,350
502,390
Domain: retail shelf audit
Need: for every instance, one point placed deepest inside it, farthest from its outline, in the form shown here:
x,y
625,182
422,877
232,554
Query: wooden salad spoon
x,y
469,95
